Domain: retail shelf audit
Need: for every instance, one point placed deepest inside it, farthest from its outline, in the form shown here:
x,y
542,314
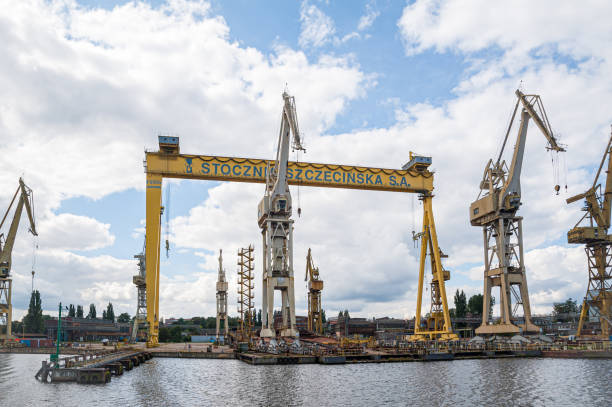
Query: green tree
x,y
79,311
323,315
34,319
475,304
564,310
92,311
164,334
346,314
460,304
110,313
259,317
124,317
71,311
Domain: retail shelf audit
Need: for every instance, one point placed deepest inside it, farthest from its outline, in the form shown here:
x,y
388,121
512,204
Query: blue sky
x,y
373,80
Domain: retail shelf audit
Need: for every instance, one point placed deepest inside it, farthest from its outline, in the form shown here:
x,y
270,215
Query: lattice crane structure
x,y
139,327
26,199
245,293
315,286
495,211
594,234
221,300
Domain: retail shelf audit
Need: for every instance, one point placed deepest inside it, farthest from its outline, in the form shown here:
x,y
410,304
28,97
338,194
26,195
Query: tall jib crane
x,y
139,326
274,219
26,199
495,211
598,299
315,286
221,300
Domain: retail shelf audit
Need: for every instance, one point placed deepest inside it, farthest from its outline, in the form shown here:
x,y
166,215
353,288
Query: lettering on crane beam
x,y
309,175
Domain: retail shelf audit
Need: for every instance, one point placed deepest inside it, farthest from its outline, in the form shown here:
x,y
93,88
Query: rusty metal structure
x,y
495,210
26,199
245,294
597,302
315,286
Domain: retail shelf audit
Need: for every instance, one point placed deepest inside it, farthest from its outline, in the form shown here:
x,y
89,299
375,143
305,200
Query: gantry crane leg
x,y
153,235
429,239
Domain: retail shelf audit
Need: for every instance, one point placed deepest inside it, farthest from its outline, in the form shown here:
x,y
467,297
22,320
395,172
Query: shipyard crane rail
x,y
168,162
495,211
598,298
26,199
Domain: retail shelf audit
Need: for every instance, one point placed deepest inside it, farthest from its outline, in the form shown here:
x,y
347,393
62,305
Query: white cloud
x,y
72,232
369,17
565,27
317,28
84,90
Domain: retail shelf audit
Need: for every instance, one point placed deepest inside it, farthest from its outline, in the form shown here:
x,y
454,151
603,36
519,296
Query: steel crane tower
x,y
26,198
245,293
315,286
274,219
598,299
140,281
495,211
221,298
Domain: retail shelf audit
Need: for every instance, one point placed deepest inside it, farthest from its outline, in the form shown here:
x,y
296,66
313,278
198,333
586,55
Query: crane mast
x,y
495,211
315,286
274,219
222,299
598,299
26,199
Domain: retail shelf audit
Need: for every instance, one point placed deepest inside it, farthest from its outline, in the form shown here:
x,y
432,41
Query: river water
x,y
208,382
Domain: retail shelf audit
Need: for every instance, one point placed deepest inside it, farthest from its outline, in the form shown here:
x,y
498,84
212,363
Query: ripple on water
x,y
193,382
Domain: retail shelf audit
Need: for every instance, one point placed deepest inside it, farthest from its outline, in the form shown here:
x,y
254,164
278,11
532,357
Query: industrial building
x,y
88,329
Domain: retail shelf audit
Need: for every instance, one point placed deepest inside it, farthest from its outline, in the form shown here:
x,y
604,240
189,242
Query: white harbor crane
x,y
274,219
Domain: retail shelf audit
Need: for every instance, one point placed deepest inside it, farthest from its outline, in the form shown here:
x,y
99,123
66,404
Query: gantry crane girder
x,y
414,177
598,298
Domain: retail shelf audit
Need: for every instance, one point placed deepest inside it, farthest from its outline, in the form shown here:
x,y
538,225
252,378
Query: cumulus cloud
x,y
94,85
369,17
83,91
72,232
317,28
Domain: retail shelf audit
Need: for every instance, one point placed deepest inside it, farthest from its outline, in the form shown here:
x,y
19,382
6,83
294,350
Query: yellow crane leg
x,y
428,236
153,226
423,256
583,317
448,329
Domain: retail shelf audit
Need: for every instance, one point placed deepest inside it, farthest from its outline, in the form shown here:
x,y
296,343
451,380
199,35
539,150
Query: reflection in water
x,y
199,382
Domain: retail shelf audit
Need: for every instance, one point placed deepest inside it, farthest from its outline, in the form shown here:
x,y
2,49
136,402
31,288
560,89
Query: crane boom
x,y
6,249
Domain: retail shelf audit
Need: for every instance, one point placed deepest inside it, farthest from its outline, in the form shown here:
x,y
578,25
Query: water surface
x,y
209,382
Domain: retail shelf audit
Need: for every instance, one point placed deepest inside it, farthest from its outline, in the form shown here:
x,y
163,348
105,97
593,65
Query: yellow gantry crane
x,y
495,211
315,286
168,162
598,299
26,199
